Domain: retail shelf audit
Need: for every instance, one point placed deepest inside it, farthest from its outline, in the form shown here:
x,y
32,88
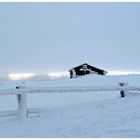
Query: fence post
x,y
123,89
22,104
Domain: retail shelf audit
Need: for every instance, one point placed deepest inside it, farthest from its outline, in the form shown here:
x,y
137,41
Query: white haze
x,y
51,75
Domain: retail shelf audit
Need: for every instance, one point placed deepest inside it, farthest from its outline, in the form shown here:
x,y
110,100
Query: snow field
x,y
78,114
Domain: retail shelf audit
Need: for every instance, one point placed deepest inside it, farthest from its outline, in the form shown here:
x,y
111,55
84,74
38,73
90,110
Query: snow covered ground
x,y
74,114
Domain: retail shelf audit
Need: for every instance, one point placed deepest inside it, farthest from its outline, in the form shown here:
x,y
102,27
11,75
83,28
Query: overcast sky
x,y
44,37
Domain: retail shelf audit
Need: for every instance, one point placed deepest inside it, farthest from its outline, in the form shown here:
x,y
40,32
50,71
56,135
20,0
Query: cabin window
x,y
84,66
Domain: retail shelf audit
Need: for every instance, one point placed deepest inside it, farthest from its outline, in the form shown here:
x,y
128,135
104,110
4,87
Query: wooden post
x,y
123,89
22,104
122,93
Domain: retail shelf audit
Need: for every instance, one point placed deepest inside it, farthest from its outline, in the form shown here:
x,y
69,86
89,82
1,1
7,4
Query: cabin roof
x,y
87,65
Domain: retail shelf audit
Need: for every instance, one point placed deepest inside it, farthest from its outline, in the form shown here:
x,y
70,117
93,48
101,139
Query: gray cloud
x,y
38,37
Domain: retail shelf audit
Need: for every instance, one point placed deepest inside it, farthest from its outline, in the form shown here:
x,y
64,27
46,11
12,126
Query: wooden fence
x,y
21,93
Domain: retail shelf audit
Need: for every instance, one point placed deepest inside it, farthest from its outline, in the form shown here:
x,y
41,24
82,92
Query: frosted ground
x,y
74,114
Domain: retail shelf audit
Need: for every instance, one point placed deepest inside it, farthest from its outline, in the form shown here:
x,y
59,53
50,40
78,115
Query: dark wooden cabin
x,y
85,69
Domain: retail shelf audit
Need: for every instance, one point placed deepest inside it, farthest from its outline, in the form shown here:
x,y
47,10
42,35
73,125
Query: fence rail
x,y
32,90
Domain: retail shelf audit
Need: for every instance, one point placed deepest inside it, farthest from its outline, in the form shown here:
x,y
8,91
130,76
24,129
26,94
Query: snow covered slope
x,y
78,114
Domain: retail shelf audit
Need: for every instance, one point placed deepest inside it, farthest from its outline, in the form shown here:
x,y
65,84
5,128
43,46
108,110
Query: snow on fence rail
x,y
32,90
21,93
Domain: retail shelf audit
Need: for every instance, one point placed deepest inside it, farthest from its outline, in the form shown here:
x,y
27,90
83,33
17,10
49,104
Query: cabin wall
x,y
78,72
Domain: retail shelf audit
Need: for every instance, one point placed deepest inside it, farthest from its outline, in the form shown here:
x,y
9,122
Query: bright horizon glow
x,y
20,76
57,75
